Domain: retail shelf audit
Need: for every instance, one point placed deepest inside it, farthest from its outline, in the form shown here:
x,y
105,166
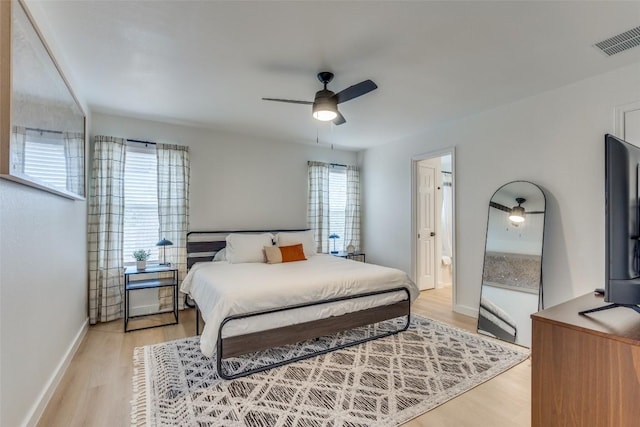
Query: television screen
x,y
622,165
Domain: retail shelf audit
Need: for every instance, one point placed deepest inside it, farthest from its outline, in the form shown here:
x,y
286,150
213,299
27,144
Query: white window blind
x,y
44,159
337,205
141,226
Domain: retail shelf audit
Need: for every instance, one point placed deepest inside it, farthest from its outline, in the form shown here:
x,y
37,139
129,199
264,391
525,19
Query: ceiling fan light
x,y
517,214
325,115
325,111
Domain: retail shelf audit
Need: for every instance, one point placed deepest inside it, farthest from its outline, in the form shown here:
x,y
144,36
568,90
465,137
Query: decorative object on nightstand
x,y
351,249
333,237
141,257
164,243
161,280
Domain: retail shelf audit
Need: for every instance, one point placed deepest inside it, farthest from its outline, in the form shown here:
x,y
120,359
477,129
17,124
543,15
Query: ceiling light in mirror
x,y
517,212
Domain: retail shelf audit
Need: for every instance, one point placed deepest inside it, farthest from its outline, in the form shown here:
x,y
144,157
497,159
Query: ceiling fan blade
x,y
339,119
355,91
506,209
290,101
499,206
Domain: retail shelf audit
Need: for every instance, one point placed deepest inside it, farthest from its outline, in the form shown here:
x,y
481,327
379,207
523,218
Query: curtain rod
x,y
330,164
44,130
141,142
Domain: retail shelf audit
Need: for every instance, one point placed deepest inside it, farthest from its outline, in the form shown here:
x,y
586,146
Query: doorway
x,y
433,221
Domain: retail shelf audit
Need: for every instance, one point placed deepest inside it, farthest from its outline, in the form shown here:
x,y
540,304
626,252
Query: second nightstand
x,y
356,256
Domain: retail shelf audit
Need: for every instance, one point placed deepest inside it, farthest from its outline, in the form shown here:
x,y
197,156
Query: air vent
x,y
621,42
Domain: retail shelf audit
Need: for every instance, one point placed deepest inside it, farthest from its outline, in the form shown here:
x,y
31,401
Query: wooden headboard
x,y
203,245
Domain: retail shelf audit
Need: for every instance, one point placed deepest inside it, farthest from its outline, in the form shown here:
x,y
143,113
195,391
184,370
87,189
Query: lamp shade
x,y
164,242
334,236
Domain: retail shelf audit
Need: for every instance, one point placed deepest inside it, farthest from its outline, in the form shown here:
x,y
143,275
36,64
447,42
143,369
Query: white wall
x,y
43,285
43,289
237,182
554,139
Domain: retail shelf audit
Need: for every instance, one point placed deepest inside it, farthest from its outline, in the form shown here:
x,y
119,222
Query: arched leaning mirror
x,y
512,274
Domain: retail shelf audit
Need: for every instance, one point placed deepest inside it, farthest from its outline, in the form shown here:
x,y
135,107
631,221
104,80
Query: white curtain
x,y
105,230
318,204
352,210
447,216
173,209
74,157
18,143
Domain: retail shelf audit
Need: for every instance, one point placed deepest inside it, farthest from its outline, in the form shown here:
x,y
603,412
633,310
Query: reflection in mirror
x,y
512,274
54,158
46,138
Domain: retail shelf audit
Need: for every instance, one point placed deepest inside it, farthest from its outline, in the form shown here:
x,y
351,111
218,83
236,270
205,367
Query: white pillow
x,y
221,255
247,247
289,238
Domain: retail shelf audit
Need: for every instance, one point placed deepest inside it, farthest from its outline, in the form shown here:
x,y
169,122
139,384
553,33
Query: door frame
x,y
619,118
414,217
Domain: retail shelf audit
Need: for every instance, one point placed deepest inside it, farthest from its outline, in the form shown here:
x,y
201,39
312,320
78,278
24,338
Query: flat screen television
x,y
622,229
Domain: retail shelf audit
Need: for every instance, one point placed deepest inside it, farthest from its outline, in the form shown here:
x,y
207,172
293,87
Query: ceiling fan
x,y
516,213
325,104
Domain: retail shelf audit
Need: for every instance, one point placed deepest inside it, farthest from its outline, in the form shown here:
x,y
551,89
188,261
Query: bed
x,y
252,305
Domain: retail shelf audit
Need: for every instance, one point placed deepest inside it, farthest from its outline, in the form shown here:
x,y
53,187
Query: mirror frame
x,y
484,266
6,96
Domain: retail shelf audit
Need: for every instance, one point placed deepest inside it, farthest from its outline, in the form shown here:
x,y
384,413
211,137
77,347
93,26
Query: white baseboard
x,y
37,409
466,310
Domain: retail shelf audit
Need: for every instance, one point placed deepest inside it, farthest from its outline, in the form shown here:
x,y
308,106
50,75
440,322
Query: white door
x,y
426,265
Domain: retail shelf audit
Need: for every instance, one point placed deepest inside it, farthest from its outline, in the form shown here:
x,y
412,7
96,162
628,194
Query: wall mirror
x,y
512,275
43,126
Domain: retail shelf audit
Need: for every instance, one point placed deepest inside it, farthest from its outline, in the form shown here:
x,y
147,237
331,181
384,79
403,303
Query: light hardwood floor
x,y
96,389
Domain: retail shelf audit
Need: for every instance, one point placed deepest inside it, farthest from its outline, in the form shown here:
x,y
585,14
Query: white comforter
x,y
222,289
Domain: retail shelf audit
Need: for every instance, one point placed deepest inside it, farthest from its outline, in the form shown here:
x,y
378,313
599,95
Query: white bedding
x,y
222,289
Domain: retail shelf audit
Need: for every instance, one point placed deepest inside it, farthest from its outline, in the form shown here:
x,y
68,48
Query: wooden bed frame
x,y
200,248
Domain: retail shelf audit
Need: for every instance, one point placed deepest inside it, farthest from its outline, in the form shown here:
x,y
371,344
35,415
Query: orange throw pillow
x,y
292,253
278,254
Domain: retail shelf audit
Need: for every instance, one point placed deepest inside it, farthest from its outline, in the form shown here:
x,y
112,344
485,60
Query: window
x,y
337,205
141,226
44,159
334,205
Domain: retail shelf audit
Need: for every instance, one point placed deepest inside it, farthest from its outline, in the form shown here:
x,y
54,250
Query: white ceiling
x,y
208,63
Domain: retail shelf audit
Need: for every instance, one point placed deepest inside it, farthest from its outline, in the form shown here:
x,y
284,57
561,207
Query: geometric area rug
x,y
384,382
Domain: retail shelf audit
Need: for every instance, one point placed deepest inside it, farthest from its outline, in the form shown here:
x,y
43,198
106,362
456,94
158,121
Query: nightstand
x,y
160,279
356,256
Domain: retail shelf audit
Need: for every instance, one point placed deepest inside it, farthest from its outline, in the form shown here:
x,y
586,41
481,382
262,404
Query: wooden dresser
x,y
585,370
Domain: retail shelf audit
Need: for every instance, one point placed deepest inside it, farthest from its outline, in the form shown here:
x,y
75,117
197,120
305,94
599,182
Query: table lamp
x,y
164,243
334,237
